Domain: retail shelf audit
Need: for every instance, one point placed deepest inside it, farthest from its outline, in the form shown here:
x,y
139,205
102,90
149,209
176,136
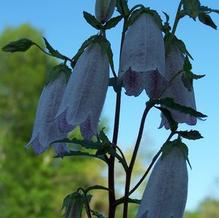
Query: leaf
x,y
134,201
81,154
191,7
103,137
187,65
169,102
207,20
173,124
92,21
84,143
52,51
191,135
20,45
112,22
208,10
56,71
183,147
73,205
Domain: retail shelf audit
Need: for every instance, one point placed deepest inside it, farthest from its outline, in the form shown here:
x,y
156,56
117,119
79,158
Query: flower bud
x,y
104,9
177,90
143,58
85,93
166,191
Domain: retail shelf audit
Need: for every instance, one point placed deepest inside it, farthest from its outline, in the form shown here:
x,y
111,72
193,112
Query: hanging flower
x,y
166,191
177,90
85,93
45,129
104,9
143,58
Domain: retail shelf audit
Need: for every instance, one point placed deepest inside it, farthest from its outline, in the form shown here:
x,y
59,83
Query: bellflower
x,y
177,90
104,9
166,191
85,92
143,58
45,129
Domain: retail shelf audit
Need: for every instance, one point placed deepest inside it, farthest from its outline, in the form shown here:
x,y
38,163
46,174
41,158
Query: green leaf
x,y
134,201
81,154
103,137
52,51
184,149
191,7
73,205
173,124
192,134
112,22
170,103
92,20
207,20
166,148
208,10
20,45
187,65
84,143
55,72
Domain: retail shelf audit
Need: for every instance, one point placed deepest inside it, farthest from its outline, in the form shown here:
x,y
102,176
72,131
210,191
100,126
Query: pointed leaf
x,y
113,22
192,134
191,7
169,102
173,124
52,51
92,20
207,20
20,45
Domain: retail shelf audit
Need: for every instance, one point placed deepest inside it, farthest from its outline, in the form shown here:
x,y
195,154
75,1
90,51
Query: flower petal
x,y
166,191
177,90
143,49
86,90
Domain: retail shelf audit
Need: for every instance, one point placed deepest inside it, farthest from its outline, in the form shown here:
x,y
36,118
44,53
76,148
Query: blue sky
x,y
63,25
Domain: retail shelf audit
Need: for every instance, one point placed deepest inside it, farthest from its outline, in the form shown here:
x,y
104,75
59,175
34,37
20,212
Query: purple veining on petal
x,y
60,149
64,126
154,83
133,82
86,129
38,148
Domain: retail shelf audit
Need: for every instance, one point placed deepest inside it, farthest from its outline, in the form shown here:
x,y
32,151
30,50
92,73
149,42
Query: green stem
x,y
149,105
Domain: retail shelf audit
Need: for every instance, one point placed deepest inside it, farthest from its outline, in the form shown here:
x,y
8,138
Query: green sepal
x,y
138,12
20,45
170,103
168,146
55,72
188,76
92,21
112,22
191,135
84,45
172,123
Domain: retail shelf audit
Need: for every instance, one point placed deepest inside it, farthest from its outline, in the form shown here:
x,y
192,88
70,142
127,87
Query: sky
x,y
62,23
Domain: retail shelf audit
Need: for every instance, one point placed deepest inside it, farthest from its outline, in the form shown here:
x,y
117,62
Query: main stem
x,y
111,182
149,105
